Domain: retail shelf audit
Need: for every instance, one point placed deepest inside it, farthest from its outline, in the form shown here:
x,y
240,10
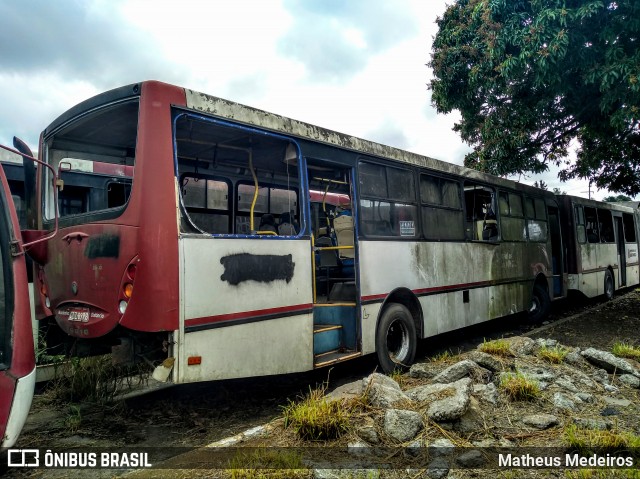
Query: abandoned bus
x,y
602,245
17,357
246,243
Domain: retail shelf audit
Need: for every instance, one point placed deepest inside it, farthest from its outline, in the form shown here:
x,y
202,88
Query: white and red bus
x,y
213,253
602,245
17,357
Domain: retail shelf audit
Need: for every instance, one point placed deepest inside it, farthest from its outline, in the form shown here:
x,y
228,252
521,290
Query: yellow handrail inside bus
x,y
255,191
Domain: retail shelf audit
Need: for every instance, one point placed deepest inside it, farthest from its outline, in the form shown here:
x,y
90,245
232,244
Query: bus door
x,y
621,252
17,357
557,256
336,324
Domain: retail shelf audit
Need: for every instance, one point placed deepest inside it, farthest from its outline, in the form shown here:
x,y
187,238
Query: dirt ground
x,y
196,415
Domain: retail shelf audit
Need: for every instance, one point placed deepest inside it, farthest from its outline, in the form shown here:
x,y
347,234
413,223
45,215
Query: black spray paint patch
x,y
257,267
103,246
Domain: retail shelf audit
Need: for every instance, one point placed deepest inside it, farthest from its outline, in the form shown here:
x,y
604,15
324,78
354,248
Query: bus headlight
x,y
122,307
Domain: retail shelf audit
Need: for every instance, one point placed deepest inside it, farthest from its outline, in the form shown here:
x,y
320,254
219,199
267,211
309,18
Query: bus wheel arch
x,y
540,301
397,329
609,284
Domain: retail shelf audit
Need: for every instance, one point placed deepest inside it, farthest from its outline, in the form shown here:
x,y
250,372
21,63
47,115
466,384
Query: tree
x,y
541,184
558,191
616,199
532,78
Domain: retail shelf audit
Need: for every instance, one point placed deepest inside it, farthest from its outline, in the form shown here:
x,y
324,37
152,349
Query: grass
x,y
497,347
518,387
315,418
93,379
443,356
73,420
625,350
584,441
553,355
603,474
263,463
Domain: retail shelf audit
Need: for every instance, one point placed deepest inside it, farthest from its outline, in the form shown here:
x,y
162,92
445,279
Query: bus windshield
x,y
94,157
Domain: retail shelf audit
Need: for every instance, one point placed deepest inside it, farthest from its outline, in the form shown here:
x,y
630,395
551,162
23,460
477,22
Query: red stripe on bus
x,y
435,289
247,314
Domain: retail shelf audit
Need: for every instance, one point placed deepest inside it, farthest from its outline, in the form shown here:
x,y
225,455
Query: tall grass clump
x,y
316,418
518,387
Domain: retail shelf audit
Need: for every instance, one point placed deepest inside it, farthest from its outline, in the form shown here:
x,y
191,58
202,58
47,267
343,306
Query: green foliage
x,y
316,418
625,350
264,463
518,387
530,77
497,347
553,355
616,198
585,441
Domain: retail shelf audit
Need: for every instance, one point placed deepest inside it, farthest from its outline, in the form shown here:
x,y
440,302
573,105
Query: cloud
x,y
389,133
335,39
79,40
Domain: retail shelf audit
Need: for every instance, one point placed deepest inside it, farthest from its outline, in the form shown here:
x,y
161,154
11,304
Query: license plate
x,y
79,314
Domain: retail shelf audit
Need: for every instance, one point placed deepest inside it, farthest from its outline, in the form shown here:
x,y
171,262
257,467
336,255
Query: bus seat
x,y
267,223
343,227
287,226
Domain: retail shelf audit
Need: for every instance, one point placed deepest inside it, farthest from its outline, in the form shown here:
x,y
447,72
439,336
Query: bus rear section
x,y
602,246
17,357
109,279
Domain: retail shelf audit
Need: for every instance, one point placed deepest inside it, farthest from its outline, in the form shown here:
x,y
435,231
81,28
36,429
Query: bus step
x,y
326,337
333,357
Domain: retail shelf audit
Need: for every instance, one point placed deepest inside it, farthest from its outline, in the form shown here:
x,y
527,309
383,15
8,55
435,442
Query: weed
x,y
443,356
73,419
586,440
603,474
553,355
519,388
316,418
499,347
264,463
398,377
625,350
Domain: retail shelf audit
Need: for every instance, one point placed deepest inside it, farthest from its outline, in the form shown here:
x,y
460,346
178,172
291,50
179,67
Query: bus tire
x,y
396,338
540,305
608,285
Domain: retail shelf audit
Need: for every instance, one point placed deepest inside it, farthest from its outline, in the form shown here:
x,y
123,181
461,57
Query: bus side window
x,y
480,213
581,232
591,222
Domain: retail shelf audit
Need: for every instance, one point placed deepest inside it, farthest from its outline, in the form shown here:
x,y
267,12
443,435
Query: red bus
x,y
17,357
240,243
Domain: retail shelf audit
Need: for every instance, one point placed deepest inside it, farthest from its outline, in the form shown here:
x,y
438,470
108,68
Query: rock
x,y
382,391
359,448
368,432
422,370
414,448
575,358
585,423
616,402
438,468
536,373
346,391
402,425
429,392
562,402
486,392
462,369
452,407
584,397
610,389
578,377
541,421
546,343
566,383
486,361
441,447
601,376
521,345
629,380
609,411
471,421
608,361
473,458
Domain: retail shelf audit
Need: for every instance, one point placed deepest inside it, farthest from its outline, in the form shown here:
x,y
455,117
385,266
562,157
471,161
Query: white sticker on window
x,y
407,228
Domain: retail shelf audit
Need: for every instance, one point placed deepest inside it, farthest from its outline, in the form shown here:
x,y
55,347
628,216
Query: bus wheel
x,y
608,285
540,305
396,338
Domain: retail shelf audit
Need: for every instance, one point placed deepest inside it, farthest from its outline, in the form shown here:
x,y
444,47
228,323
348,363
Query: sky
x,y
354,66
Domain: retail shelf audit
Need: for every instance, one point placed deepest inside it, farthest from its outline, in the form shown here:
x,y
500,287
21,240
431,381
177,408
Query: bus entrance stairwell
x,y
336,331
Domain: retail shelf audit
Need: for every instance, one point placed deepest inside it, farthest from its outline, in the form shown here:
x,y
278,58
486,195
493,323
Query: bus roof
x,y
236,112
